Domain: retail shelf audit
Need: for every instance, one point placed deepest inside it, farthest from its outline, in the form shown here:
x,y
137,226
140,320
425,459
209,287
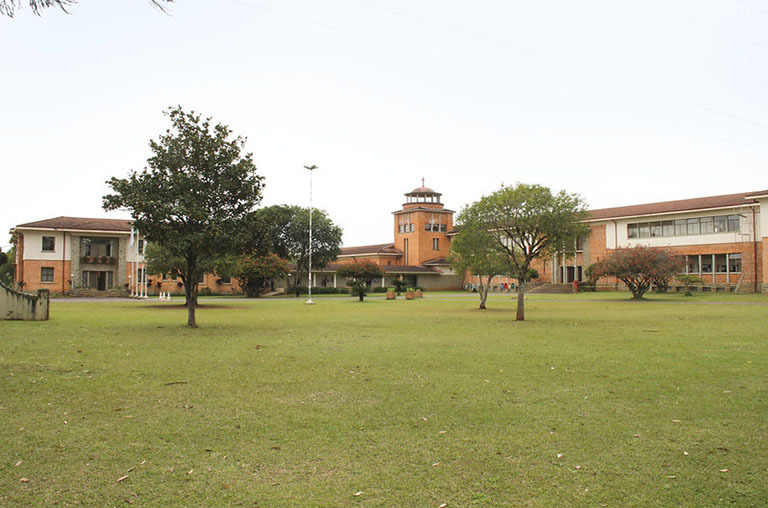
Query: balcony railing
x,y
98,260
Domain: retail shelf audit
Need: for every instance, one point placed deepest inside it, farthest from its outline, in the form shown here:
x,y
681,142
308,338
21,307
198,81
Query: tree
x,y
474,248
253,271
528,222
639,267
362,274
688,280
195,197
287,235
7,261
9,7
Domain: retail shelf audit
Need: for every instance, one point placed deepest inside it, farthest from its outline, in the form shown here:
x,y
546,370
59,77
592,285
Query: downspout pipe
x,y
754,249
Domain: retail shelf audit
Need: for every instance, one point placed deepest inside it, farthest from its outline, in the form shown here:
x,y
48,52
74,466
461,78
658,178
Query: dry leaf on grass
x,y
723,470
24,480
358,493
122,478
19,463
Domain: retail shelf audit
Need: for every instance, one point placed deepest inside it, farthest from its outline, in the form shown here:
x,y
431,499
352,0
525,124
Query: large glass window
x,y
721,224
692,264
734,223
49,243
680,227
734,263
721,263
693,227
685,227
706,264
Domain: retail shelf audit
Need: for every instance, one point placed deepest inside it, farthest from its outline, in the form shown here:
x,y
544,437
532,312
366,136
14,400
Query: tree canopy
x,y
362,274
640,267
474,249
195,197
9,7
6,266
254,271
286,233
527,222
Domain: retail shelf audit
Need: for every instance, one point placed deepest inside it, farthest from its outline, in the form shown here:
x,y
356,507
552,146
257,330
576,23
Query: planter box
x,y
391,295
419,294
410,295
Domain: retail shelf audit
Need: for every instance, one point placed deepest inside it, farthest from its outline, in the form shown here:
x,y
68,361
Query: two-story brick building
x,y
724,240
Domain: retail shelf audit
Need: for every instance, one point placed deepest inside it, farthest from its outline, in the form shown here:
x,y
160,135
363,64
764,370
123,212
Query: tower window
x,y
435,244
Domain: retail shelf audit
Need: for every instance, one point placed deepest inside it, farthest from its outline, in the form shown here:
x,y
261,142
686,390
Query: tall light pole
x,y
309,276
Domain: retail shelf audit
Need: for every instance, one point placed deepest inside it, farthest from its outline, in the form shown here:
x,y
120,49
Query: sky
x,y
621,102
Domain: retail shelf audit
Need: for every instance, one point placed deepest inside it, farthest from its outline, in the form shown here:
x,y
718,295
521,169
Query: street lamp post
x,y
309,276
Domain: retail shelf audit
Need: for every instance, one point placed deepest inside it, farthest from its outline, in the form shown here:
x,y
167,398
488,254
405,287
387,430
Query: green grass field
x,y
593,401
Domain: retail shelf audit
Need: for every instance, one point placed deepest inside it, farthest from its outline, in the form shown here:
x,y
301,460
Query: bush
x,y
206,291
380,290
587,287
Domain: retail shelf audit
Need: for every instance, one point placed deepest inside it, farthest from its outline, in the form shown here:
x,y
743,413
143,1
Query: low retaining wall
x,y
23,306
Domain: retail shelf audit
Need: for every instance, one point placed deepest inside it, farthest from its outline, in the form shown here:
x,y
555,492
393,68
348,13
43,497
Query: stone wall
x,y
23,306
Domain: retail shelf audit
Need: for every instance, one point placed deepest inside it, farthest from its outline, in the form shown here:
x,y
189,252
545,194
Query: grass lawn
x,y
593,401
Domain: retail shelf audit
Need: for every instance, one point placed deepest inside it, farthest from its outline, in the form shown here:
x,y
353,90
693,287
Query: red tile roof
x,y
79,223
381,248
682,205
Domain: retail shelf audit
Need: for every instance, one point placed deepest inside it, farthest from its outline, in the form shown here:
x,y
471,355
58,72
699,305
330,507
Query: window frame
x,y
52,240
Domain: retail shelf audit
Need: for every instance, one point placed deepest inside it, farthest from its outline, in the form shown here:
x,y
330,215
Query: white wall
x,y
33,246
745,235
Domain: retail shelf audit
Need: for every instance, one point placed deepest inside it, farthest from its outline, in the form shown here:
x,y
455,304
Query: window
x,y
435,244
405,250
579,243
734,263
721,224
225,279
734,224
141,246
680,227
201,278
721,263
693,226
443,228
46,274
692,264
49,244
685,227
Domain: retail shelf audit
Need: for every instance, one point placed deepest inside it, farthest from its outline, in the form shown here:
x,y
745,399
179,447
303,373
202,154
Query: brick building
x,y
724,240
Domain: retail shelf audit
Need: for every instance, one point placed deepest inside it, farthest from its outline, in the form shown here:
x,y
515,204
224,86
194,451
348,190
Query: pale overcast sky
x,y
622,102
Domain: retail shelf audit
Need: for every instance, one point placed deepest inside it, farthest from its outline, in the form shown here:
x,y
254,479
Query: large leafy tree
x,y
361,275
640,267
286,233
9,7
474,249
194,198
528,222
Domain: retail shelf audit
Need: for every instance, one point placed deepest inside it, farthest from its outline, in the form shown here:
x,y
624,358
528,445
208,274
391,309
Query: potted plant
x,y
410,293
391,294
419,293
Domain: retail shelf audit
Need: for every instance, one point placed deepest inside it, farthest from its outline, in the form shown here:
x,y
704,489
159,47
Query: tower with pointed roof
x,y
421,227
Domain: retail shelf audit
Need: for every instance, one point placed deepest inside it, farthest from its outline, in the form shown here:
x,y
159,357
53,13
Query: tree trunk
x,y
484,292
361,296
520,300
190,291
